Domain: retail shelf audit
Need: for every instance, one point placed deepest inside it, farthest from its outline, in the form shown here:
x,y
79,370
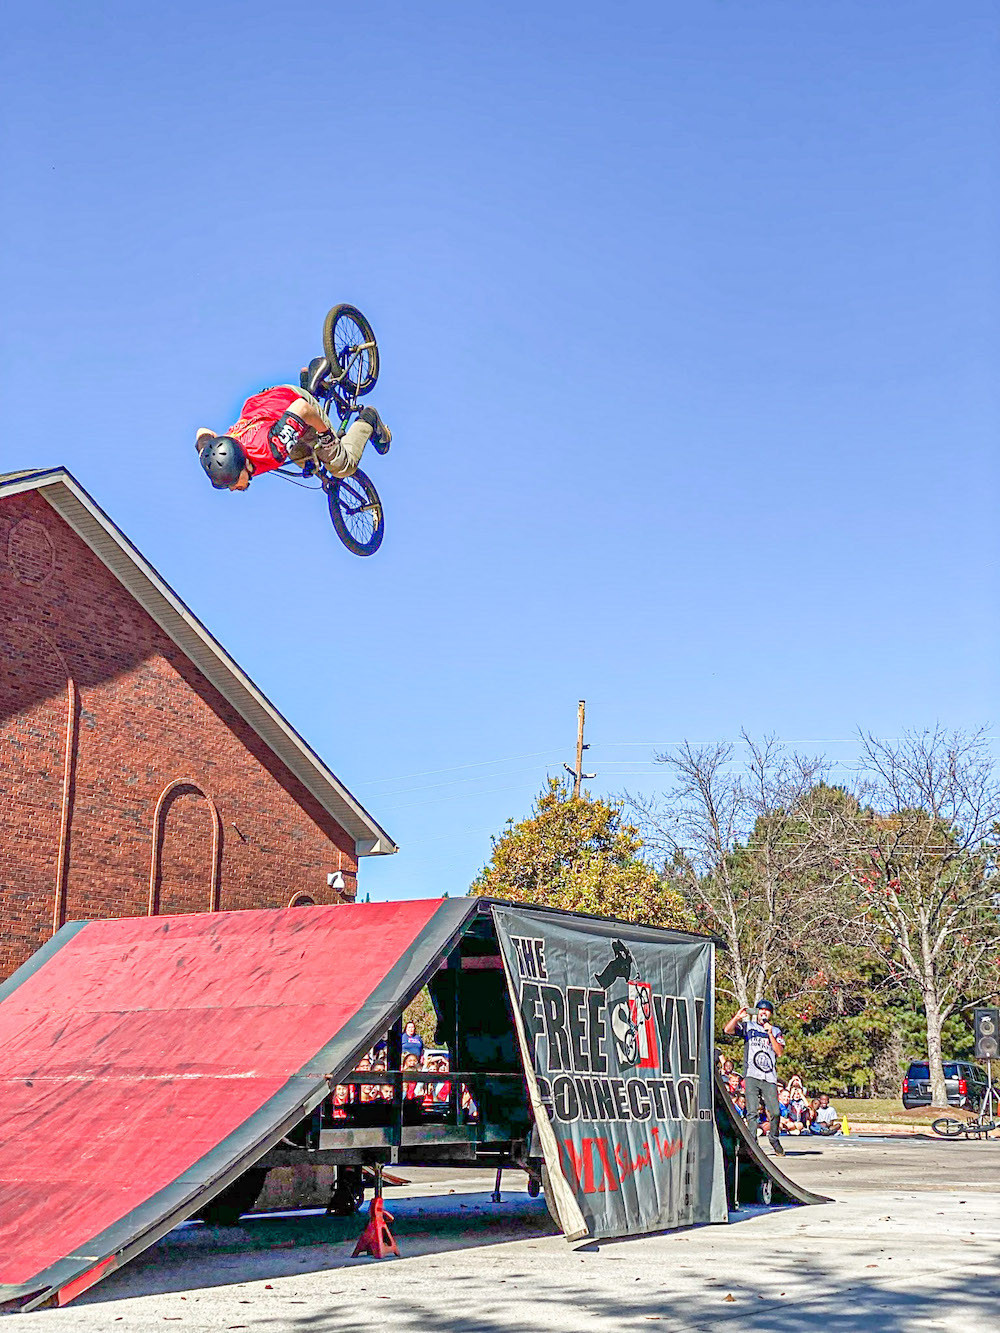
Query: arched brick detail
x,y
302,900
172,789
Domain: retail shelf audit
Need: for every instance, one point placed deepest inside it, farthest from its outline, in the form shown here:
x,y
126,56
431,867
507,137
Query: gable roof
x,y
63,492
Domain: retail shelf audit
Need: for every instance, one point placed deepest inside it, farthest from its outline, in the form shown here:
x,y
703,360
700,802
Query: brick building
x,y
140,770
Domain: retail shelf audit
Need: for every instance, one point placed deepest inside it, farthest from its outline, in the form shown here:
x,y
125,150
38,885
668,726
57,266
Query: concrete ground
x,y
911,1241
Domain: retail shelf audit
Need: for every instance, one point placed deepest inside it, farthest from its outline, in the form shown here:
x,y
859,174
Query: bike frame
x,y
348,499
345,409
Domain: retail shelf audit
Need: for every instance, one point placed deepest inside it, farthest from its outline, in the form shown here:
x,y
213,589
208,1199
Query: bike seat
x,y
312,378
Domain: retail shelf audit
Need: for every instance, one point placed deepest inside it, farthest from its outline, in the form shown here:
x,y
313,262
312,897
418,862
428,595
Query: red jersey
x,y
257,416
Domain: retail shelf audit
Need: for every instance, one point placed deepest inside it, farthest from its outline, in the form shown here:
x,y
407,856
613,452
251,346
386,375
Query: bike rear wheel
x,y
356,513
948,1128
349,342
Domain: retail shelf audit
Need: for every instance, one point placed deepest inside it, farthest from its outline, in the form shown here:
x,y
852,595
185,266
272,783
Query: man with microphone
x,y
763,1046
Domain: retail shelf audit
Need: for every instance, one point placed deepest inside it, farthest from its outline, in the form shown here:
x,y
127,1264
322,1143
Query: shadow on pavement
x,y
848,1306
264,1247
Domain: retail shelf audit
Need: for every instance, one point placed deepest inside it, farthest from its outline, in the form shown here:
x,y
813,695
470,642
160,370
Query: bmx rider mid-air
x,y
285,424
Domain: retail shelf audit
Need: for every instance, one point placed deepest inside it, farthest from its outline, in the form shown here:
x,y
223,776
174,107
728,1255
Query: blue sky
x,y
689,319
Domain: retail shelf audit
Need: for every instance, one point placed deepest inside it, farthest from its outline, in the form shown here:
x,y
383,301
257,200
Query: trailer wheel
x,y
348,1195
229,1205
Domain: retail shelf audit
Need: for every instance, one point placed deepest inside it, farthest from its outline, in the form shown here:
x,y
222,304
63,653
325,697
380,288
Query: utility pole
x,y
577,774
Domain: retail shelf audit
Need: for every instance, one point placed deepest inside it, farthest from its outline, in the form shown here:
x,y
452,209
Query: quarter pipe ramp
x,y
146,1063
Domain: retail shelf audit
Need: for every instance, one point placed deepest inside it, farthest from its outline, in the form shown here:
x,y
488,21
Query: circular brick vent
x,y
30,552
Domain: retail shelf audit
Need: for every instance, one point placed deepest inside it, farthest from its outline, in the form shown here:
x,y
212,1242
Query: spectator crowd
x,y
427,1092
797,1112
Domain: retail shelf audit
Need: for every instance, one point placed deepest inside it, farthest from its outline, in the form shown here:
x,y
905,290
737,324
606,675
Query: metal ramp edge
x,y
751,1175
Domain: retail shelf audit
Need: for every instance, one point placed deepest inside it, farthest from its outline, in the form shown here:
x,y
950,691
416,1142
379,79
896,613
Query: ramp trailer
x,y
156,1069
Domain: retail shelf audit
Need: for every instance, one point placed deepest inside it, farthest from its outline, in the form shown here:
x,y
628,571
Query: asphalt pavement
x,y
910,1240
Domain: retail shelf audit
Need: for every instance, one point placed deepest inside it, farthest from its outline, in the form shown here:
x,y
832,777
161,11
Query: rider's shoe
x,y
202,436
381,434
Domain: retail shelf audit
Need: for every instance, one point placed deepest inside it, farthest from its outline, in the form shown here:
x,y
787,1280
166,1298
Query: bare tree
x,y
918,851
735,843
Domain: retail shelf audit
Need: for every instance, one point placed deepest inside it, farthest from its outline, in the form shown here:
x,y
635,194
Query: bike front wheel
x,y
349,342
356,513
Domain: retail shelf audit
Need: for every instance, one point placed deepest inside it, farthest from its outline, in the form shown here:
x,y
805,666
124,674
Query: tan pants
x,y
343,454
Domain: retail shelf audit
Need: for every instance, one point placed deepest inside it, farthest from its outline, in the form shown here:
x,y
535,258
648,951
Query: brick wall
x,y
127,783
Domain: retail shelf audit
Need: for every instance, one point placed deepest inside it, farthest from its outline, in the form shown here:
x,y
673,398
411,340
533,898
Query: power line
x,y
493,791
456,768
610,763
742,740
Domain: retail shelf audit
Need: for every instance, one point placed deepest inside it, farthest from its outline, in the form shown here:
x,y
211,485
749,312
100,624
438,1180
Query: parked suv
x,y
966,1084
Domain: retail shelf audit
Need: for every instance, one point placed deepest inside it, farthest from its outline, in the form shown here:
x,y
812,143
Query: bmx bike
x,y
985,1122
948,1128
350,348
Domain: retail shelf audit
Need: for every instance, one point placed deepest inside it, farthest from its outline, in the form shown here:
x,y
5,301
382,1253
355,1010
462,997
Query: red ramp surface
x,y
146,1062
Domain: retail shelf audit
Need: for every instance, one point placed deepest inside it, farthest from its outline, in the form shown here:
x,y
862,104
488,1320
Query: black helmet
x,y
765,1004
223,460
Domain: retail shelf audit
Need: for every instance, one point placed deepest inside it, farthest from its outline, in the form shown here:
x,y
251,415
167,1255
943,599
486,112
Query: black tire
x,y
356,512
345,1203
948,1128
348,1195
345,331
229,1205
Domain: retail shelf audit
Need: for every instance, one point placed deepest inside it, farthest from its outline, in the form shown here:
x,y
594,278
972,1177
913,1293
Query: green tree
x,y
420,1011
580,854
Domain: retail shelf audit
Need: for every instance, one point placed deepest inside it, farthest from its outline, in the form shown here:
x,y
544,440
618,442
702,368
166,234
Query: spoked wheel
x,y
356,512
348,342
948,1128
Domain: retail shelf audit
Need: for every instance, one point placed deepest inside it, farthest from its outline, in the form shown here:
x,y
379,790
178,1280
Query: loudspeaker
x,y
987,1029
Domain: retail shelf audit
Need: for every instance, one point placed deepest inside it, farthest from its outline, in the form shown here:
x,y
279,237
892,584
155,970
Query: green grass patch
x,y
889,1111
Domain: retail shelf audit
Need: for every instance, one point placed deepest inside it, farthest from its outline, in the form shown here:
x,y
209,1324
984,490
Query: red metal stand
x,y
376,1239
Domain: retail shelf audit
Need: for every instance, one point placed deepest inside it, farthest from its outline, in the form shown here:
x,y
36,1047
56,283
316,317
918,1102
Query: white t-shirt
x,y
826,1114
760,1061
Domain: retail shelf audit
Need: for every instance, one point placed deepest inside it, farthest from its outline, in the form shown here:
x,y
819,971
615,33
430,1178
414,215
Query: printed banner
x,y
615,1026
